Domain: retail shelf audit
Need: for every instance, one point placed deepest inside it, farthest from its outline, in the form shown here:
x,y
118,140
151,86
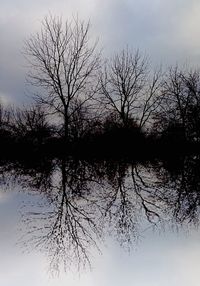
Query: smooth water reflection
x,y
106,223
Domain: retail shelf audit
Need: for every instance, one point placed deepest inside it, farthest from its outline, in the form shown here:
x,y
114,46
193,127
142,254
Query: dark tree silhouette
x,y
30,124
127,88
64,65
178,114
5,120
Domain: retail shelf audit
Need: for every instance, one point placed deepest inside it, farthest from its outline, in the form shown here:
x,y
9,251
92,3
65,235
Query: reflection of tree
x,y
36,173
83,201
182,188
74,228
129,201
77,203
145,193
68,227
119,208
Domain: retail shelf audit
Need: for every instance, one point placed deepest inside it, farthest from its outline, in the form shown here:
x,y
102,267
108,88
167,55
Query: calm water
x,y
66,222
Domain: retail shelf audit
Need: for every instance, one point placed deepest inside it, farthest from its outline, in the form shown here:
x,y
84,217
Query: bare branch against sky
x,y
168,31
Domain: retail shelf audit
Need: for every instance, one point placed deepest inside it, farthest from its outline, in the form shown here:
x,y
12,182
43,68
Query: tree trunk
x,y
66,125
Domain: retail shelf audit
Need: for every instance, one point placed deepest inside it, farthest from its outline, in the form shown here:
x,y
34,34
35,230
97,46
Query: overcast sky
x,y
167,30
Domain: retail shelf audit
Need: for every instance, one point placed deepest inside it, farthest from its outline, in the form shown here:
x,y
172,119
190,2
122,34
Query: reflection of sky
x,y
166,258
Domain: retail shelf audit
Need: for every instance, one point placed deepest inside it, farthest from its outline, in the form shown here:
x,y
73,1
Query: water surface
x,y
104,223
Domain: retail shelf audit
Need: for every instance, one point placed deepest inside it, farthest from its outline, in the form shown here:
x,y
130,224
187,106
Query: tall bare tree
x,y
63,62
126,88
180,107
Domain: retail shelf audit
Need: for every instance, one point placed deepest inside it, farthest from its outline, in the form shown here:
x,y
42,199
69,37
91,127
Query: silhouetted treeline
x,y
89,107
174,126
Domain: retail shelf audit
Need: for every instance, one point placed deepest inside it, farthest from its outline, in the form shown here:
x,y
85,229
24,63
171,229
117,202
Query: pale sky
x,y
166,30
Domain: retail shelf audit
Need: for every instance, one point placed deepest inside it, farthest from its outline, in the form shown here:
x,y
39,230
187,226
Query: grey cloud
x,y
164,29
154,26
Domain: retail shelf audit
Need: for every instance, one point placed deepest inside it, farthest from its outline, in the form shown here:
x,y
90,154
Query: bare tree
x,y
30,123
126,88
64,64
176,96
151,99
5,117
180,107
